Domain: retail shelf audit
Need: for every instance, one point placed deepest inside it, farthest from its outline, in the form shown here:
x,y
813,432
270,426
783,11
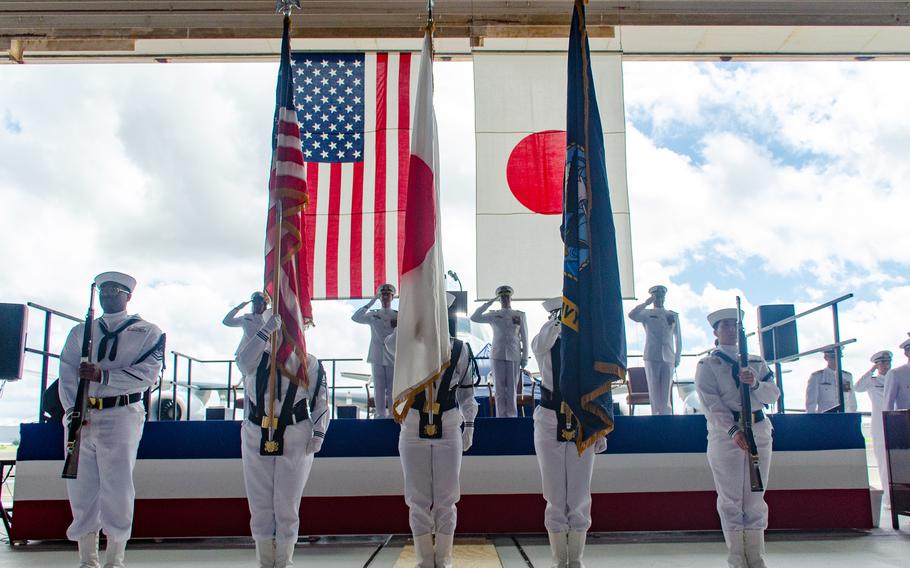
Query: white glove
x,y
314,445
600,446
467,438
67,418
273,325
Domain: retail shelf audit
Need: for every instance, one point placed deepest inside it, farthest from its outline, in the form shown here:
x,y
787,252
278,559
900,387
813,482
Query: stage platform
x,y
653,477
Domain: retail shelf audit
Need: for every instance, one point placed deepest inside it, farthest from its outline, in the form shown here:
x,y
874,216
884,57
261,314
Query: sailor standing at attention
x,y
251,322
566,475
897,383
127,362
382,322
509,354
873,384
430,445
743,512
821,390
276,468
663,347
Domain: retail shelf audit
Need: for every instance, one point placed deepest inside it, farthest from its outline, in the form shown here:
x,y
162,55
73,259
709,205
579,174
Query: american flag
x,y
354,111
288,190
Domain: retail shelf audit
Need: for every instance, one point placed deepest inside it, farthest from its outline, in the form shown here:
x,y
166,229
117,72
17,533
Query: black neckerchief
x,y
734,365
112,335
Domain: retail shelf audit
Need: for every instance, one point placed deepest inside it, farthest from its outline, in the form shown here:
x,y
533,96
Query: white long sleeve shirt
x,y
718,392
663,340
462,380
381,326
510,332
821,391
541,345
897,388
250,323
248,360
874,386
134,368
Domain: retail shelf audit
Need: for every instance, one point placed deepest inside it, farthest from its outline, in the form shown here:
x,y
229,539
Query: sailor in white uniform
x,y
251,322
509,354
873,384
430,445
382,322
663,347
821,390
897,383
275,470
127,361
743,513
566,475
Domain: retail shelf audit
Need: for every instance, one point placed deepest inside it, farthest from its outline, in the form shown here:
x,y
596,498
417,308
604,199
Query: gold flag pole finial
x,y
431,23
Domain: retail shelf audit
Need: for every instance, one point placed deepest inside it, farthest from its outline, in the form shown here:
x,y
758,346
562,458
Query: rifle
x,y
80,409
745,416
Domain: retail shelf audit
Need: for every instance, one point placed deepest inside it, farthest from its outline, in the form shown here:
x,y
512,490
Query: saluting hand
x,y
741,441
241,305
90,372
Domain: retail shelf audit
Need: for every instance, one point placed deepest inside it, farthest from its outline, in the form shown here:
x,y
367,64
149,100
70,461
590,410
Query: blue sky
x,y
782,182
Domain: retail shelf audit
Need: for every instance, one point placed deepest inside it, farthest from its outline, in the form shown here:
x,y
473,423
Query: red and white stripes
x,y
288,190
353,235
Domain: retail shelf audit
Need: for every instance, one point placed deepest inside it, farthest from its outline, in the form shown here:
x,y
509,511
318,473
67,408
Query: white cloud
x,y
161,170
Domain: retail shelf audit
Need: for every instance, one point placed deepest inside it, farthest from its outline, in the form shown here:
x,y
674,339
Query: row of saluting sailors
x,y
129,359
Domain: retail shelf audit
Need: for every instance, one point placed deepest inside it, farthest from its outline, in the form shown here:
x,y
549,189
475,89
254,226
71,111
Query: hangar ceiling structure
x,y
173,30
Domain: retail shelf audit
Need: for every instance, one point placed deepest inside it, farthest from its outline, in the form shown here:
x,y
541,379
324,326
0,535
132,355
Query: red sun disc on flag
x,y
420,222
535,171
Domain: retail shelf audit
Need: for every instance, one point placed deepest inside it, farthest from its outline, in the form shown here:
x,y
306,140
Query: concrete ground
x,y
878,547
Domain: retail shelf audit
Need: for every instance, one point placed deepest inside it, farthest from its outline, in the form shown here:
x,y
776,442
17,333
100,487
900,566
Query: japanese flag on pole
x,y
422,349
520,110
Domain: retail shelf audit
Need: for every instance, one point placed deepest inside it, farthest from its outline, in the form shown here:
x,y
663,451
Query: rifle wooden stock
x,y
745,416
80,409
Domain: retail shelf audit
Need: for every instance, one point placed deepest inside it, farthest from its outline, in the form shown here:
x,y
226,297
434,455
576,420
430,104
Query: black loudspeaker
x,y
784,336
461,302
13,326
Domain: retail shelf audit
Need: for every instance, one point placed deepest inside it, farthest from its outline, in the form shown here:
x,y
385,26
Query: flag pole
x,y
276,261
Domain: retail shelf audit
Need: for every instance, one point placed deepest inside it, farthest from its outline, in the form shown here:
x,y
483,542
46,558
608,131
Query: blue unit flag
x,y
592,338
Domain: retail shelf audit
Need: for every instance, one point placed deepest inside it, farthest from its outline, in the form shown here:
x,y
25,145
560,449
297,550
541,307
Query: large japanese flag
x,y
520,118
422,351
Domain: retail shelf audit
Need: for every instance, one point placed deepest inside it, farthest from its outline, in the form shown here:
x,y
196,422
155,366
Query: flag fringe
x,y
582,444
407,397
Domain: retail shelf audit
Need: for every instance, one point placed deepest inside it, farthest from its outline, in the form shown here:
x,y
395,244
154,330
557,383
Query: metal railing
x,y
229,386
45,351
836,346
335,361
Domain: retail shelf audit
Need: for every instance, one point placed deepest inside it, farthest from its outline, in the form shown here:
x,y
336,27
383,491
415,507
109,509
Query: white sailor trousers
x,y
738,506
659,375
877,427
382,388
431,474
102,495
505,384
566,476
274,485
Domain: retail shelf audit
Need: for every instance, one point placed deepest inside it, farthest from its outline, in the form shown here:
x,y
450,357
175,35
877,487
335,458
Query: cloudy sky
x,y
781,182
